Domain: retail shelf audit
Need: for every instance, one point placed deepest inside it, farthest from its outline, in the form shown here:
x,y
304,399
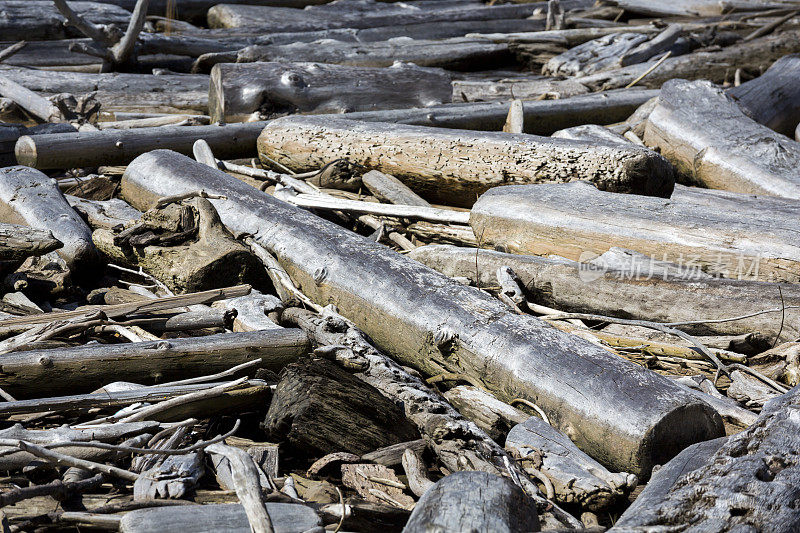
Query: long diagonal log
x,y
709,137
430,321
455,165
699,230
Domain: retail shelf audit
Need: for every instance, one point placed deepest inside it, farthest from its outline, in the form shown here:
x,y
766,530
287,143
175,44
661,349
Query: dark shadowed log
x,y
579,222
319,408
773,99
632,290
41,20
711,139
236,91
430,321
473,501
455,54
212,518
85,368
576,477
453,166
30,197
761,462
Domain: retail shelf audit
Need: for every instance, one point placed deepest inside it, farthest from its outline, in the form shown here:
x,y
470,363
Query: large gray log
x,y
576,477
39,19
750,483
709,138
454,54
453,166
579,222
473,501
425,319
213,518
773,99
236,91
84,368
30,197
632,290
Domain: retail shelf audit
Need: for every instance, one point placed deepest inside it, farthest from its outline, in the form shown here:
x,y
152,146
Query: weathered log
x,y
175,477
595,55
30,197
318,408
236,91
83,368
452,166
211,518
402,309
390,189
473,501
593,133
523,89
490,414
197,319
253,311
106,214
773,99
454,54
579,222
41,20
710,139
576,477
20,242
630,290
761,461
696,8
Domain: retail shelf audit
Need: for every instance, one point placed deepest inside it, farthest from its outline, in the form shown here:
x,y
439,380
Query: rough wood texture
x,y
523,89
576,477
236,91
41,20
703,8
175,477
390,189
473,501
579,222
85,368
629,289
773,99
430,321
453,166
454,54
710,139
594,56
30,197
20,242
212,518
321,408
490,414
761,462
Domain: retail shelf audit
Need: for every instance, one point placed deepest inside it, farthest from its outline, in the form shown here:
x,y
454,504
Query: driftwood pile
x,y
436,265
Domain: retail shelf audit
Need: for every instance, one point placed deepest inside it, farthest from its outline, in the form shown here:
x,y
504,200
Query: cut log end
x,y
25,151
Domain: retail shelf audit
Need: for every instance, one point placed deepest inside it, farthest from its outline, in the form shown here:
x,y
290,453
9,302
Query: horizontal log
x,y
710,139
403,306
453,166
522,89
579,222
236,91
694,8
633,290
85,368
40,20
20,242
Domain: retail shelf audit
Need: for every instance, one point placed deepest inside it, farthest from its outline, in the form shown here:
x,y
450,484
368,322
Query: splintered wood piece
x,y
376,483
697,229
453,166
710,139
238,90
174,478
496,418
429,321
473,501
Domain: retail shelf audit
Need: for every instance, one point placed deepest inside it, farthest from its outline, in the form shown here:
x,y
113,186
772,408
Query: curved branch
x,y
123,49
94,31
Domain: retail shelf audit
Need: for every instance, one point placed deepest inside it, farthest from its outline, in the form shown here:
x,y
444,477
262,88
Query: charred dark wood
x,y
402,311
702,231
236,91
318,408
473,500
455,165
85,368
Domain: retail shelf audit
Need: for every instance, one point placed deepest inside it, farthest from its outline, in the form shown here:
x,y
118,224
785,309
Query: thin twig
x,y
65,460
648,71
11,50
532,405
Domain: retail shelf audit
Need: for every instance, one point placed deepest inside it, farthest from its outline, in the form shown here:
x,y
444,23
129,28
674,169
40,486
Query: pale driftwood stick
x,y
121,51
11,50
65,460
390,189
416,472
515,121
770,27
96,32
40,107
247,485
58,489
151,410
202,153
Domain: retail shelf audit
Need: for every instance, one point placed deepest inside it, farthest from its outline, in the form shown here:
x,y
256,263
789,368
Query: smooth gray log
x,y
423,318
236,91
40,20
710,139
30,197
579,222
749,484
473,501
213,518
453,166
85,368
638,290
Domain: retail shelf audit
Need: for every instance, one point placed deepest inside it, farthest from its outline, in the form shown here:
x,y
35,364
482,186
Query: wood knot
x,y
45,361
320,275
